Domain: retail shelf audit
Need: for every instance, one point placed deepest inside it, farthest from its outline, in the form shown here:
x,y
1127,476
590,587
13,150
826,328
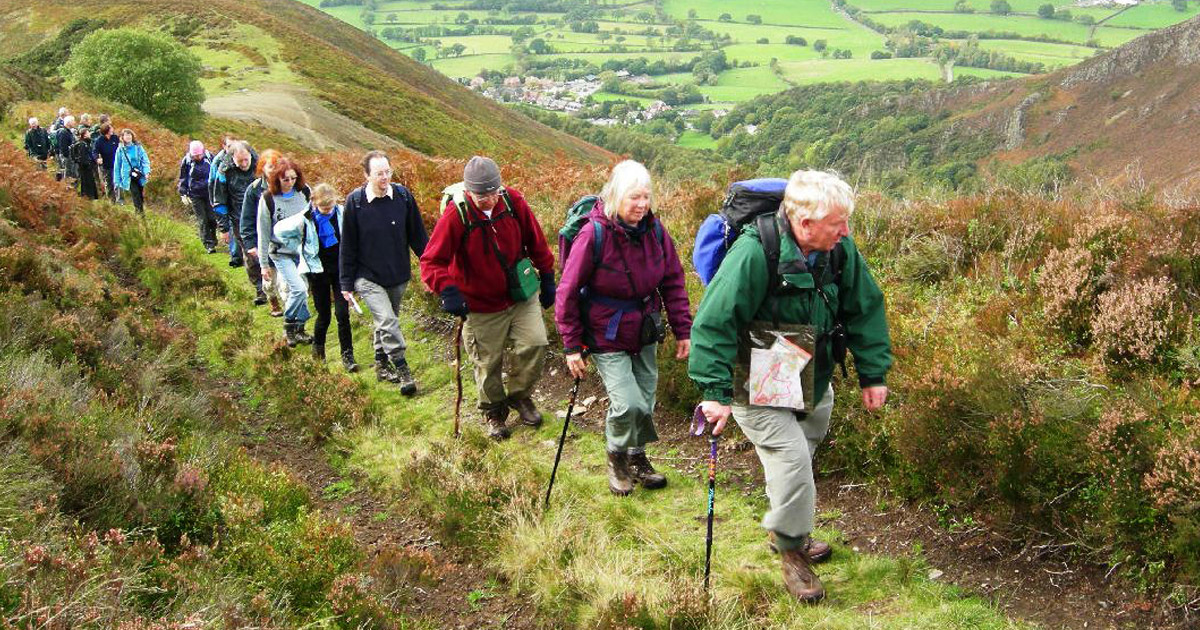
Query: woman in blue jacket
x,y
131,170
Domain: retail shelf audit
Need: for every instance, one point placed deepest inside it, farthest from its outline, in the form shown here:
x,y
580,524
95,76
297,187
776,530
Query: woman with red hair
x,y
268,162
283,199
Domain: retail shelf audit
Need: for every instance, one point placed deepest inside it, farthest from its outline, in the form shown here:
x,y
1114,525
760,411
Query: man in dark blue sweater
x,y
381,224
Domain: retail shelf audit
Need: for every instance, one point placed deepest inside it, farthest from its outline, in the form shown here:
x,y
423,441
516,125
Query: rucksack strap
x,y
768,235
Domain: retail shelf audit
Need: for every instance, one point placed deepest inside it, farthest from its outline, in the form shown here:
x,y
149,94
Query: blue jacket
x,y
193,176
106,149
128,159
65,139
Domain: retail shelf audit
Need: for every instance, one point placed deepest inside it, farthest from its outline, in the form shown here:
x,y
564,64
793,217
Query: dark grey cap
x,y
482,175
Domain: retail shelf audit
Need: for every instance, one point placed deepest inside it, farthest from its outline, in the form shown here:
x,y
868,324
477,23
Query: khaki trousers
x,y
785,445
488,338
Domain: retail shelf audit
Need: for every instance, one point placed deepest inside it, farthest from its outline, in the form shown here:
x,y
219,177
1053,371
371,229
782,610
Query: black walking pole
x,y
698,426
561,439
458,377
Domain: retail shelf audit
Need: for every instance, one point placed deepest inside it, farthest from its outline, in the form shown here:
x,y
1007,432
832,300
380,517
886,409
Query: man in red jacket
x,y
485,241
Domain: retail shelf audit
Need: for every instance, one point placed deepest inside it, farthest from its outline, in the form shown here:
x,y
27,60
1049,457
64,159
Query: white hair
x,y
33,121
626,177
69,120
814,194
62,111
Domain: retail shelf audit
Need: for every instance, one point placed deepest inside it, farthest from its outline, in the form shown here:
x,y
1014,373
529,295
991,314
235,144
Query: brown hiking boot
x,y
799,578
494,420
644,473
620,479
276,307
384,370
818,550
530,416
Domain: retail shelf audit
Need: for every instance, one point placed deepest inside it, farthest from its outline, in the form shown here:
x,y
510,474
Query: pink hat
x,y
196,148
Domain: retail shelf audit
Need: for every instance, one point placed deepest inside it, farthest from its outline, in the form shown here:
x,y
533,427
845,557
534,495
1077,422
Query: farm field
x,y
768,45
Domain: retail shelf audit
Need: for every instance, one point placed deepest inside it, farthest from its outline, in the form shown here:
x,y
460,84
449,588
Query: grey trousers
x,y
384,304
785,446
630,382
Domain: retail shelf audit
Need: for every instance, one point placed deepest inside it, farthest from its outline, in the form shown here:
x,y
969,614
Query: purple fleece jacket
x,y
655,269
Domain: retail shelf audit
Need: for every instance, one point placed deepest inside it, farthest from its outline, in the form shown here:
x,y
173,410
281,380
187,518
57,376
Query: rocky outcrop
x,y
1179,44
1014,133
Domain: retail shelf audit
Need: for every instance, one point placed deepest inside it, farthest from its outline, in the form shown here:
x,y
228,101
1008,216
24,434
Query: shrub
x,y
1137,322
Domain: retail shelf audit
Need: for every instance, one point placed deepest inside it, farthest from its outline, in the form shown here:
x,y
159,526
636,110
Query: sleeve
x,y
418,238
248,226
263,219
439,253
728,306
28,143
183,168
673,290
532,236
861,310
145,162
577,274
220,193
348,251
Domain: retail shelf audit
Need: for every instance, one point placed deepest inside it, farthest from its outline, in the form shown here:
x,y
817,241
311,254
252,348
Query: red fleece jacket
x,y
471,264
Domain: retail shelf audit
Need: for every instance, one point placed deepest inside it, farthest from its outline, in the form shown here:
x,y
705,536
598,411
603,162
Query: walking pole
x,y
698,425
458,377
561,439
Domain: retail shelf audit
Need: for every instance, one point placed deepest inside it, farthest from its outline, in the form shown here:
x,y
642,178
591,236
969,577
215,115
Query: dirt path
x,y
292,110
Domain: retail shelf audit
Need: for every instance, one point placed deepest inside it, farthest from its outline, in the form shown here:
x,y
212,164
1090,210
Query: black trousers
x,y
206,221
324,289
136,194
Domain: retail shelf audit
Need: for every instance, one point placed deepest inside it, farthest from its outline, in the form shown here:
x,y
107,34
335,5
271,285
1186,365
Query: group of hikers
x,y
786,277
96,159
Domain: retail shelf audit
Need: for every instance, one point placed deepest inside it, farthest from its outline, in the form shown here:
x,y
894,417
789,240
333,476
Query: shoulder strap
x,y
837,261
270,200
597,242
768,235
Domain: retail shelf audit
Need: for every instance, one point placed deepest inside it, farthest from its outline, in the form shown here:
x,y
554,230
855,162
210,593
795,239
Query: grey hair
x,y
238,146
626,177
63,110
814,194
68,120
33,121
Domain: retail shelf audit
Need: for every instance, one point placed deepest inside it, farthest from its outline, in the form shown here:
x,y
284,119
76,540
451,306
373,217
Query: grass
x,y
696,140
1153,15
242,57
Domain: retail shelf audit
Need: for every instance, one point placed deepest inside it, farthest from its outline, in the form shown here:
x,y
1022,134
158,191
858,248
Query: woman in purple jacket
x,y
613,307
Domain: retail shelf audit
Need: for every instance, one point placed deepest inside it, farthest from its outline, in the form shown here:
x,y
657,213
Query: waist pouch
x,y
652,329
523,281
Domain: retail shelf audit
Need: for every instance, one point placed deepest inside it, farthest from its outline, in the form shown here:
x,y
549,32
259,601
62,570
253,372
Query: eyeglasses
x,y
288,179
382,173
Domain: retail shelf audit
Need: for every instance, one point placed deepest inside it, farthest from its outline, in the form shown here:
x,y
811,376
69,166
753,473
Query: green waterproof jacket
x,y
738,295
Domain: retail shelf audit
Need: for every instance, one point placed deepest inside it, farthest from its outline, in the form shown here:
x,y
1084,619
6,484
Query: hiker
x,y
37,143
248,225
60,121
193,192
227,223
85,122
104,151
131,170
234,177
281,200
381,224
325,215
487,230
64,137
85,165
841,301
610,301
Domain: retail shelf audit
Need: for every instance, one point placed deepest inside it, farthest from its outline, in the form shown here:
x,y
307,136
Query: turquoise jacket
x,y
299,233
738,295
129,158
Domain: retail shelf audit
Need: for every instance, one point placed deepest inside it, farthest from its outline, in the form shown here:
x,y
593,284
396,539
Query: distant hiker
x,y
61,120
267,164
381,224
482,260
85,165
193,192
325,215
37,142
131,170
85,122
64,137
822,289
227,224
282,200
610,301
104,151
234,177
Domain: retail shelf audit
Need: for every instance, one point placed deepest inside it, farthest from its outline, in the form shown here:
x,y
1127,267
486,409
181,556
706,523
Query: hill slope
x,y
355,74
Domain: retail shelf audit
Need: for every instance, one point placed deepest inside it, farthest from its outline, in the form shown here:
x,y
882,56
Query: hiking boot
x,y
620,480
348,362
210,249
289,334
276,307
260,298
384,370
530,416
302,336
494,419
319,352
644,474
799,578
235,262
818,550
404,378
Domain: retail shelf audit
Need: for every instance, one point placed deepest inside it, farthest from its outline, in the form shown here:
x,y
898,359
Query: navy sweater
x,y
377,236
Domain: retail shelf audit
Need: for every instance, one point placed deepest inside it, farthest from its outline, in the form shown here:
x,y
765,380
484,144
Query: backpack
x,y
578,215
457,193
754,200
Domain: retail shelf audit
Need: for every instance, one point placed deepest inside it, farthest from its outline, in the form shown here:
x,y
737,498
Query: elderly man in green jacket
x,y
828,295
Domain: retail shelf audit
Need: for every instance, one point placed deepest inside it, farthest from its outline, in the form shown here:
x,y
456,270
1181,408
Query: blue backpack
x,y
754,200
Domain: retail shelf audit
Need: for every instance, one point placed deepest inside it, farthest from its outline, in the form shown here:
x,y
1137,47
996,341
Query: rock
x,y
935,574
587,402
561,414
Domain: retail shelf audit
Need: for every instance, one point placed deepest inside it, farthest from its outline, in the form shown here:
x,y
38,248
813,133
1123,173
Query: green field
x,y
753,37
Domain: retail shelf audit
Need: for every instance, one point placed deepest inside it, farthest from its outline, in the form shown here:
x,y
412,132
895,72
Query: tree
x,y
462,18
819,45
1001,7
1046,11
538,46
692,14
1180,5
457,50
725,17
419,54
754,19
154,74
